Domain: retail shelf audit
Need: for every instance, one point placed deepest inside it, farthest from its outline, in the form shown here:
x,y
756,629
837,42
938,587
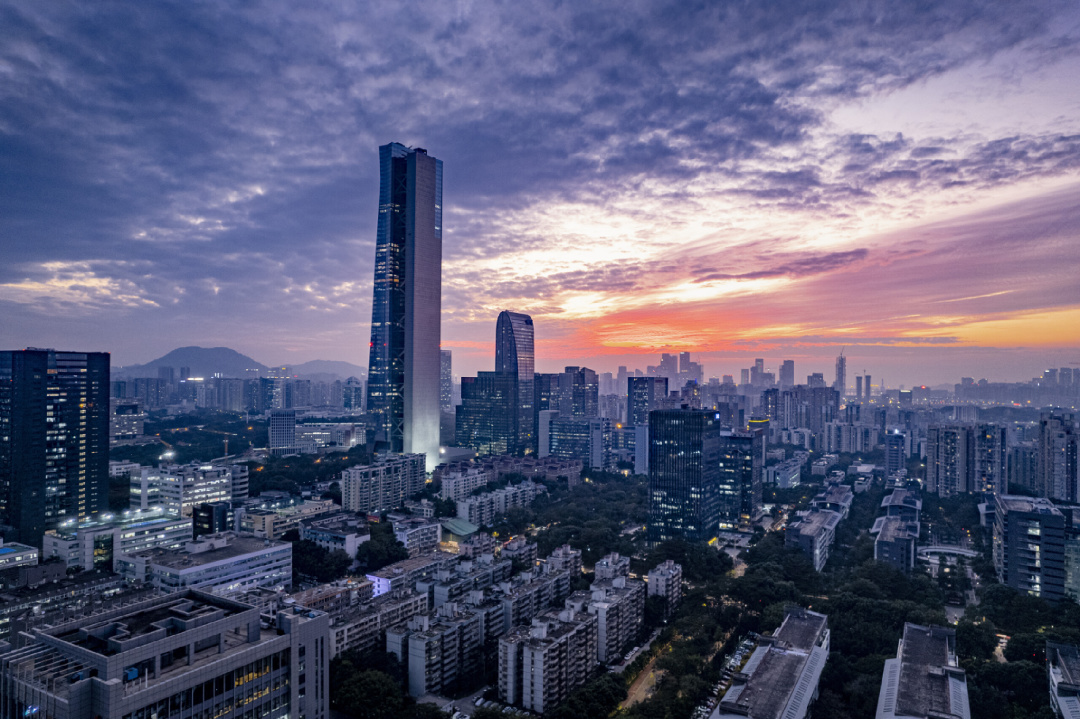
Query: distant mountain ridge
x,y
226,362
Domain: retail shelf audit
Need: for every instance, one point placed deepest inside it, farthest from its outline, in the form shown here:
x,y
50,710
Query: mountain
x,y
344,370
202,361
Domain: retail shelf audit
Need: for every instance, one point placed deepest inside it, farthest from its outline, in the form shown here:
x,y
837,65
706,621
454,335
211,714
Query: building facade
x,y
404,368
54,448
384,485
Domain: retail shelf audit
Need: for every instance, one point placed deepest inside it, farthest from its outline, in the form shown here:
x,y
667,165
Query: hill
x,y
343,370
202,361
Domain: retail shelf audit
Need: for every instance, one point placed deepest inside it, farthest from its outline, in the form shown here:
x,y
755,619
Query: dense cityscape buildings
x,y
626,504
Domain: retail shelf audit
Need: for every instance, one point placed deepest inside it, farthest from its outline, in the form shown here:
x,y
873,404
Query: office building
x,y
740,461
895,452
589,441
178,489
282,432
221,563
840,383
514,358
54,449
684,475
1029,546
925,680
486,419
787,374
1063,667
645,395
211,518
446,380
404,367
541,664
780,680
189,653
94,544
384,485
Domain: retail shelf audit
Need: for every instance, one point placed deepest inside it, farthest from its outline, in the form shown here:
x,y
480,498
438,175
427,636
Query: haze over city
x,y
780,180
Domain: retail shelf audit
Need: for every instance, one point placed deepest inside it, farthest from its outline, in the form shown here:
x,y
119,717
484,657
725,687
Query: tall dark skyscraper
x,y
514,357
787,374
54,440
840,383
741,455
645,395
684,475
404,364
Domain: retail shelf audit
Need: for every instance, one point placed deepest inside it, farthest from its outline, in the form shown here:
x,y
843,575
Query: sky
x,y
897,180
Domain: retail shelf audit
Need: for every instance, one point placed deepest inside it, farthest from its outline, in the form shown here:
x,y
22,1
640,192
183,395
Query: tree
x,y
382,549
488,713
311,560
369,695
977,641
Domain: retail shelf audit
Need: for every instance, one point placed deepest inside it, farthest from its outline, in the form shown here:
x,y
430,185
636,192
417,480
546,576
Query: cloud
x,y
211,171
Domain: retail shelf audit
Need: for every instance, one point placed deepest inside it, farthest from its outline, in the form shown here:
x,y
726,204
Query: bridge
x,y
942,549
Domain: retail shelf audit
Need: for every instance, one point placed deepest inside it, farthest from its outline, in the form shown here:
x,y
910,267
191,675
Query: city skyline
x,y
653,180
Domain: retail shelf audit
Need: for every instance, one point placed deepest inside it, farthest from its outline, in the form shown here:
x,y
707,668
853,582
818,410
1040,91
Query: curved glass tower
x,y
514,357
404,362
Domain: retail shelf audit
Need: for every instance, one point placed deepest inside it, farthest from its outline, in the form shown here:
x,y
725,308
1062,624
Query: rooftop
x,y
236,546
801,629
928,662
1014,503
889,529
817,521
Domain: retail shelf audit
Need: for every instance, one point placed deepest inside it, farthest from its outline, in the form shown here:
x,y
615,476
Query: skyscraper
x,y
787,374
514,358
404,365
646,394
684,475
840,384
446,380
54,440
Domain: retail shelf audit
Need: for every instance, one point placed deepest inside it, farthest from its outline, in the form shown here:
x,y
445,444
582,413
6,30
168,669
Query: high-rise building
x,y
54,441
895,451
514,359
485,420
404,365
840,384
740,469
787,374
282,432
1057,460
858,388
446,380
947,471
645,395
1029,546
988,447
684,475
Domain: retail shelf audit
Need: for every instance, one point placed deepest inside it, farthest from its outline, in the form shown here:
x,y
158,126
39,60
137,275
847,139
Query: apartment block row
x,y
483,509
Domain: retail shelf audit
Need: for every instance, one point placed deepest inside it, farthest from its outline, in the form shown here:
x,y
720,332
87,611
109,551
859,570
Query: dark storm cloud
x,y
207,165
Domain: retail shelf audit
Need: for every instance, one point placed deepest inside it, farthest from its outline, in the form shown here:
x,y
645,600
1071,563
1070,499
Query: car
x,y
478,701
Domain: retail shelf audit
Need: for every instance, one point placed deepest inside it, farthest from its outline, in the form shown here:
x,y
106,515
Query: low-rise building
x,y
342,531
565,559
924,681
222,563
520,549
665,580
813,532
419,535
1063,667
483,509
780,680
272,523
902,503
896,542
611,566
95,543
478,544
460,479
363,627
835,497
404,574
179,488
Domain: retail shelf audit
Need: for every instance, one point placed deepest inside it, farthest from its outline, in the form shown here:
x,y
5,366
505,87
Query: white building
x,y
924,681
665,580
222,563
178,488
780,680
94,544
